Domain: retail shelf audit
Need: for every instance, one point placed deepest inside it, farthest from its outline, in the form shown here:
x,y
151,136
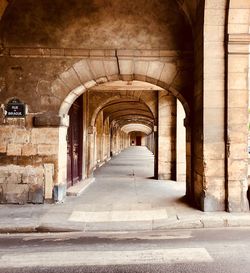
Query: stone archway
x,y
158,71
112,100
160,68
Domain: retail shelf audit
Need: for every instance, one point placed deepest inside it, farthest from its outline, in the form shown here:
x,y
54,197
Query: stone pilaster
x,y
166,136
237,122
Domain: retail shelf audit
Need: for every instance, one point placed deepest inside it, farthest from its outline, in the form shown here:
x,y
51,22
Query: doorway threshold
x,y
79,188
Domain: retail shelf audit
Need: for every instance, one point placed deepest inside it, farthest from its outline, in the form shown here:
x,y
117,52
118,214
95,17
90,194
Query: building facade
x,y
82,80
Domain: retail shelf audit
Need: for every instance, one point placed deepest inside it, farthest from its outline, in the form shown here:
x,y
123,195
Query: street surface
x,y
204,250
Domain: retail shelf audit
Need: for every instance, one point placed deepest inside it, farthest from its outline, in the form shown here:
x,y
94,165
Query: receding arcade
x,y
174,79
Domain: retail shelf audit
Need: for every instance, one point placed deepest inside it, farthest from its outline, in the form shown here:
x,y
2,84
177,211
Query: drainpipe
x,y
227,139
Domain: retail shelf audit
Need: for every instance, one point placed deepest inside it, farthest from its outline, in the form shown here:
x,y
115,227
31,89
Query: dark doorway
x,y
138,140
74,142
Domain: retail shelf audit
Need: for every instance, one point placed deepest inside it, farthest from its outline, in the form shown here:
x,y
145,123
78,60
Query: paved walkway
x,y
124,197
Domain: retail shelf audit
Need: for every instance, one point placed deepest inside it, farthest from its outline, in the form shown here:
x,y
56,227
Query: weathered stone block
x,y
79,90
47,149
29,150
36,194
237,63
215,49
21,136
237,116
238,81
240,4
6,134
218,16
214,167
89,84
4,173
14,176
238,28
47,120
239,16
214,150
33,178
126,67
215,4
141,67
168,73
64,109
48,177
164,176
70,78
237,200
14,149
71,97
110,67
97,68
238,98
83,71
238,133
239,150
211,203
44,136
154,70
16,193
3,148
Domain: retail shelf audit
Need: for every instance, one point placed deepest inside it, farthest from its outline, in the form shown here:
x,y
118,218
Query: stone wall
x,y
22,148
21,184
26,184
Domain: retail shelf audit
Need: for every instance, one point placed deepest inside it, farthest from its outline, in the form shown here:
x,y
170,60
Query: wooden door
x,y
138,141
74,143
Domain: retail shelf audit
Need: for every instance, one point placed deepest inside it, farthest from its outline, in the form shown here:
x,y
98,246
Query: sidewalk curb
x,y
170,224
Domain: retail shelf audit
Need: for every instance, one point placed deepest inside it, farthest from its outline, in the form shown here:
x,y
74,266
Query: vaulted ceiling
x,y
124,107
98,24
123,113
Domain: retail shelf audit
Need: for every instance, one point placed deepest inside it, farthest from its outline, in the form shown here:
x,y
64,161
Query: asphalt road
x,y
206,250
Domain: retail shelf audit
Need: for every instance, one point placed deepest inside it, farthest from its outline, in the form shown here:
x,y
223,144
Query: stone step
x,y
79,188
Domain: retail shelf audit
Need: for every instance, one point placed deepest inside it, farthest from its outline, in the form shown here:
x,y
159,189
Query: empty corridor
x,y
125,195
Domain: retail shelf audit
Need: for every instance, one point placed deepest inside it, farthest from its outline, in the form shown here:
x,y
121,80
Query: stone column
x,y
107,146
113,141
166,136
237,121
180,144
103,147
210,185
91,149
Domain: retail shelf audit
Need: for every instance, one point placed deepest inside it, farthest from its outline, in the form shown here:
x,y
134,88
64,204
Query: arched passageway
x,y
178,49
132,151
144,125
